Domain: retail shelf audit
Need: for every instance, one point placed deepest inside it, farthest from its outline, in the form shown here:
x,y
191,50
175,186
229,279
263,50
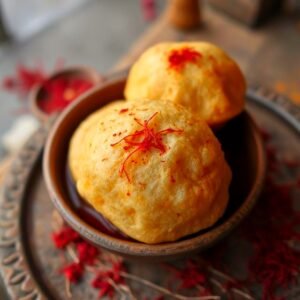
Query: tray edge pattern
x,y
15,271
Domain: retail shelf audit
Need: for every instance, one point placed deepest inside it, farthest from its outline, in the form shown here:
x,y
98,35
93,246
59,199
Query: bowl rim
x,y
135,248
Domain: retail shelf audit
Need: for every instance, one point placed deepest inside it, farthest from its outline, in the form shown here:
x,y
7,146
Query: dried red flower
x,y
115,272
64,237
101,280
178,58
105,288
24,80
190,275
270,229
73,272
87,253
144,140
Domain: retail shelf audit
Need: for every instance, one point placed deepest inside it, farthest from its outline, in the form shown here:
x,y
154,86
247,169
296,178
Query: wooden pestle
x,y
184,14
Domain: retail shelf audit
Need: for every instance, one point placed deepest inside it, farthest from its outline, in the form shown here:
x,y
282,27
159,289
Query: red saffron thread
x,y
271,228
178,58
143,140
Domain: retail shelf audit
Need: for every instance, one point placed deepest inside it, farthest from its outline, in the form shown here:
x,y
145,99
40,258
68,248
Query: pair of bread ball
x,y
151,165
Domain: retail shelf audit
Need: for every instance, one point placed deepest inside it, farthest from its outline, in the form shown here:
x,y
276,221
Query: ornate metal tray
x,y
30,263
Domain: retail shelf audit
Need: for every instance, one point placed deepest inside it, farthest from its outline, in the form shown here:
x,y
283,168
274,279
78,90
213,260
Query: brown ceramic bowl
x,y
81,72
241,143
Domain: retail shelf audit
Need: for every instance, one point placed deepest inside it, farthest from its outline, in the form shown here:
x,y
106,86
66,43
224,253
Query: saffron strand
x,y
143,140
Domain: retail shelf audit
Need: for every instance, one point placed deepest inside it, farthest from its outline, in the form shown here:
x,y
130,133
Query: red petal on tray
x,y
64,237
87,253
73,272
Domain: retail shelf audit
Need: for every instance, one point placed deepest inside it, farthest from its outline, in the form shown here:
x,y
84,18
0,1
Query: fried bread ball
x,y
151,168
198,75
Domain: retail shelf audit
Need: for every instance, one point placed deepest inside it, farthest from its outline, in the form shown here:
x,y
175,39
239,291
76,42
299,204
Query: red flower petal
x,y
105,288
87,253
24,80
190,276
64,237
73,272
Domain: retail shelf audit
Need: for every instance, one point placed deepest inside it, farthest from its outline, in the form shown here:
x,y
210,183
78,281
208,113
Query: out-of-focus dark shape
x,y
250,12
292,6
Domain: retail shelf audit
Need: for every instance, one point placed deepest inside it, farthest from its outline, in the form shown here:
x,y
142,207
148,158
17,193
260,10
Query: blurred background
x,y
262,35
45,33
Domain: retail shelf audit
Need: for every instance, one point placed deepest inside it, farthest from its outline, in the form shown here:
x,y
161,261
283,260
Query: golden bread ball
x,y
151,168
198,75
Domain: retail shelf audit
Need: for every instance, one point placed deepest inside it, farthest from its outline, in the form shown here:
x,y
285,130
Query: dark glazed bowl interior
x,y
241,142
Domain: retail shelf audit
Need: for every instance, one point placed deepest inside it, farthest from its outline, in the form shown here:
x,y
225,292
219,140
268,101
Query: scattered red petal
x,y
190,276
73,272
87,253
28,78
270,228
105,288
100,281
64,237
24,80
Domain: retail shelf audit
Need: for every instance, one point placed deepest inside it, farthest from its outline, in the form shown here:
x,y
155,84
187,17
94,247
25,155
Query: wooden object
x,y
29,263
184,14
250,12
